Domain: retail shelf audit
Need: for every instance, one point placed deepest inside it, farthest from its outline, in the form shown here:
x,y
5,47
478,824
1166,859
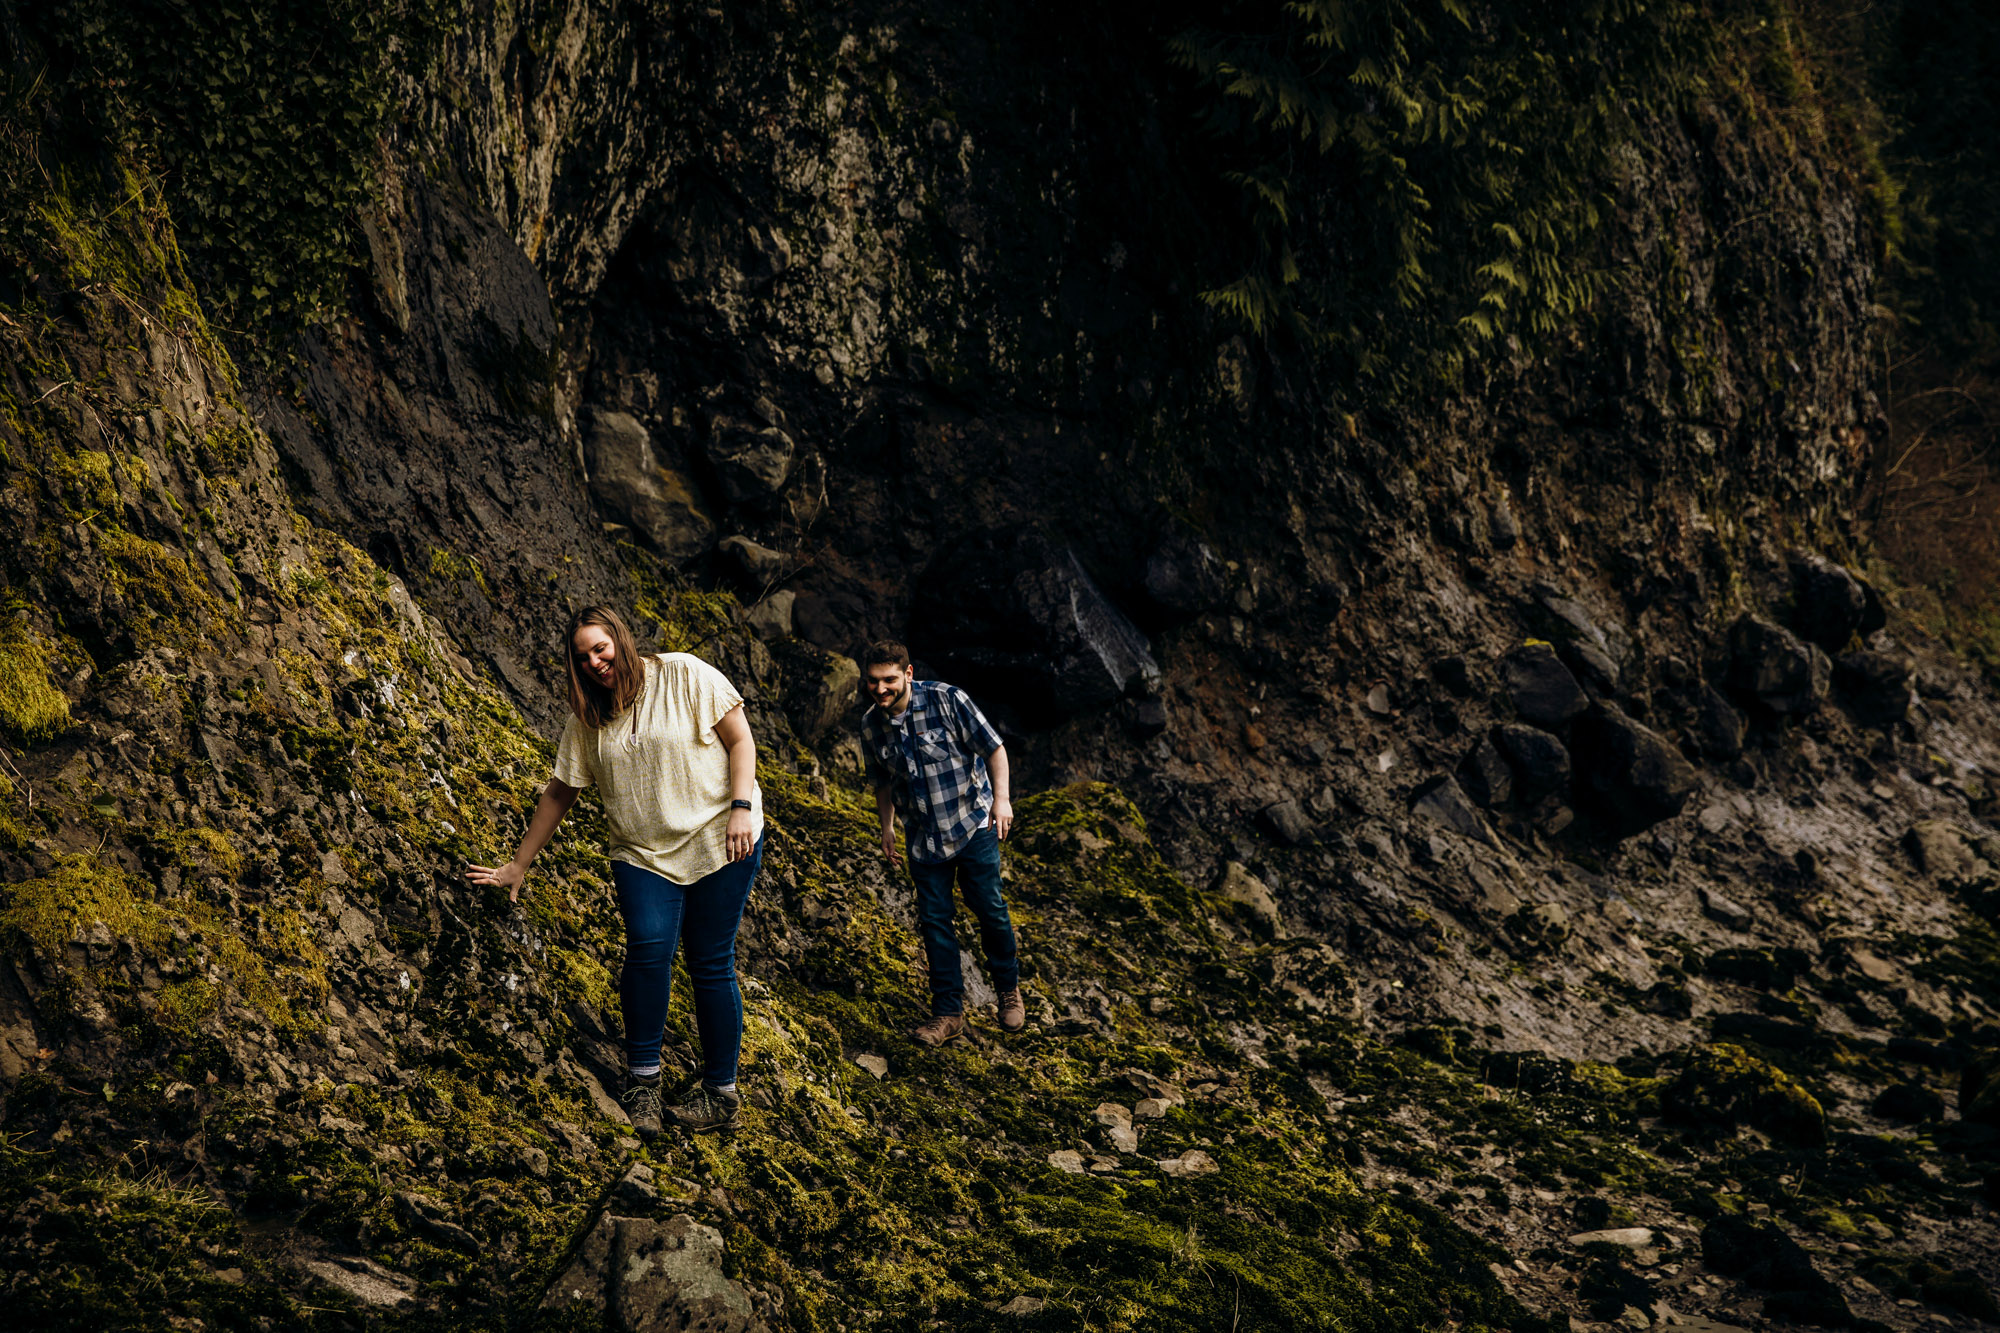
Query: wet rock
x,y
1542,688
1762,1256
1724,1084
1288,822
1632,775
633,486
1873,687
1184,577
1718,728
1018,616
1238,885
647,1276
1485,775
751,461
759,566
1443,802
1831,603
1540,762
1773,666
1908,1103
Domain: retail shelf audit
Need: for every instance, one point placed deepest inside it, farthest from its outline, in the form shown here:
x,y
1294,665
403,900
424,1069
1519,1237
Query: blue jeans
x,y
977,870
702,917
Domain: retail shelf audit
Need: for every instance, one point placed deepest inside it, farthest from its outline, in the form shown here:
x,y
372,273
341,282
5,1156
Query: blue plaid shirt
x,y
933,760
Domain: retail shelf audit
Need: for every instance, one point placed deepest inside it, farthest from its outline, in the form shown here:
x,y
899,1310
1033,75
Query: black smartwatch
x,y
740,805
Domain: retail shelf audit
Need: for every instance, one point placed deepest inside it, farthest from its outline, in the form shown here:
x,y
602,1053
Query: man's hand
x,y
741,836
1003,817
510,875
890,849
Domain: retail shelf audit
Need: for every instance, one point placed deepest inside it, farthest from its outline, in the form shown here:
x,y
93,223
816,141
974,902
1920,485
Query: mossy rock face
x,y
32,709
1724,1084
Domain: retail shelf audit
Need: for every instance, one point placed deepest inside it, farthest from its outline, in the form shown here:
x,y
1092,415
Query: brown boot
x,y
1013,1010
939,1030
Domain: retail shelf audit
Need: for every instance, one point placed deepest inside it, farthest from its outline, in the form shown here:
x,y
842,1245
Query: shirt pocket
x,y
933,747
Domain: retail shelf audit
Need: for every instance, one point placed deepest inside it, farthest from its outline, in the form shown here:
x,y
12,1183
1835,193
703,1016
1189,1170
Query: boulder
x,y
648,1276
1631,774
1149,718
1873,687
825,687
1979,1090
1761,1255
1776,668
1183,577
1908,1103
1831,602
1723,1084
1485,776
1539,761
759,566
1718,728
1015,616
1597,654
1287,821
1542,688
631,485
751,461
772,618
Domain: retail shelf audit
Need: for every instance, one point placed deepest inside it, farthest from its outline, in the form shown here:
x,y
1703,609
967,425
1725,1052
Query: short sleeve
x,y
573,756
710,698
975,733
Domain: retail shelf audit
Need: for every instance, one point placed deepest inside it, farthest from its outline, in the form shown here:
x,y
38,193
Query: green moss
x,y
32,709
53,910
1724,1084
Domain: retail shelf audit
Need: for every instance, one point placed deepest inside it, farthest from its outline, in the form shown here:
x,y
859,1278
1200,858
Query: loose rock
x,y
1542,688
1873,687
1634,776
1773,666
1831,602
1540,762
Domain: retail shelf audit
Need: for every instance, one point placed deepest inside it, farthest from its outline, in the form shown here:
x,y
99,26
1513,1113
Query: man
x,y
936,759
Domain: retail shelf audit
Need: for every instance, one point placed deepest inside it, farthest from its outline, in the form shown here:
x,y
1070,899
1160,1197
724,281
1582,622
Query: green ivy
x,y
1422,179
264,123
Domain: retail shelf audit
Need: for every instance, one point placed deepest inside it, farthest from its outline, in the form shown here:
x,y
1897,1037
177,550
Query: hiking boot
x,y
1013,1010
642,1105
939,1030
707,1108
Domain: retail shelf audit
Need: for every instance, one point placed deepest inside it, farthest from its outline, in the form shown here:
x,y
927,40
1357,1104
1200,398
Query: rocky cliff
x,y
1497,855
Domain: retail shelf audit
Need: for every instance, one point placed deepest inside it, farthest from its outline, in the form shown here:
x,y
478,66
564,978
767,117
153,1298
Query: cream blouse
x,y
661,772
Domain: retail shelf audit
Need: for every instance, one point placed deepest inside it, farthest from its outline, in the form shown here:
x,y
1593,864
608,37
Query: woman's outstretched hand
x,y
742,838
510,875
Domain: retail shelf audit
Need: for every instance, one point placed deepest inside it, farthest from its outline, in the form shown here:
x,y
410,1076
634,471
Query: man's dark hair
x,y
885,652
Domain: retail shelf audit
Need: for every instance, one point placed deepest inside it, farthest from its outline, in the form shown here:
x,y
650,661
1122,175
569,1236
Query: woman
x,y
665,741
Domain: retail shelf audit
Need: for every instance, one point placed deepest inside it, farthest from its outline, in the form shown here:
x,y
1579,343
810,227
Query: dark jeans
x,y
702,917
977,869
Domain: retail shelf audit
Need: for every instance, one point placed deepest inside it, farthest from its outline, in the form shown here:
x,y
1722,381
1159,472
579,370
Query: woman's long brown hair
x,y
593,704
